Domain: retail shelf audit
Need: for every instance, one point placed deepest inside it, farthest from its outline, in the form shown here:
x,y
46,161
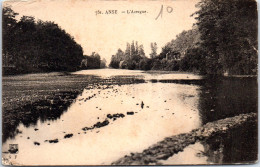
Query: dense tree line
x,y
175,55
37,46
133,58
223,41
228,35
93,61
172,57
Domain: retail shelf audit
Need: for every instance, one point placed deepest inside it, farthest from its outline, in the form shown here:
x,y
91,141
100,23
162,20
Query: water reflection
x,y
237,146
161,105
213,150
158,110
29,114
223,97
227,97
181,81
53,107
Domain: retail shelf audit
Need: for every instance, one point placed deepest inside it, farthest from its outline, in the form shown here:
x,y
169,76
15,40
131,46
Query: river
x,y
165,104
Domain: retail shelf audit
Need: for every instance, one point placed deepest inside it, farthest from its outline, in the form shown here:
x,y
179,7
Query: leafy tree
x,y
132,53
229,35
9,25
184,41
193,61
103,63
154,50
127,51
113,63
133,57
136,48
37,46
144,64
116,59
141,51
91,62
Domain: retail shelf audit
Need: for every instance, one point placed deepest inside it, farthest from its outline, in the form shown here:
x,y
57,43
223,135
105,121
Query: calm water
x,y
166,104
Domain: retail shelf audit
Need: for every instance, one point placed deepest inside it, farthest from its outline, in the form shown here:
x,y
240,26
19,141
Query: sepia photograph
x,y
129,82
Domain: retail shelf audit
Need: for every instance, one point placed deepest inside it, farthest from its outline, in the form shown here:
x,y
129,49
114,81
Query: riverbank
x,y
25,98
133,110
25,89
124,110
172,145
28,97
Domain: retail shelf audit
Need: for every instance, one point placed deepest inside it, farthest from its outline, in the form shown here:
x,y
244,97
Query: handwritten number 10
x,y
168,9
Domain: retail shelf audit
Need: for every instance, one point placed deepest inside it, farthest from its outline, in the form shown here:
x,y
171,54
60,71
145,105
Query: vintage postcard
x,y
127,82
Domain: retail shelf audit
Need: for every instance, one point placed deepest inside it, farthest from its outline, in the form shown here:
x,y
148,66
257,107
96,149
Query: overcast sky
x,y
106,33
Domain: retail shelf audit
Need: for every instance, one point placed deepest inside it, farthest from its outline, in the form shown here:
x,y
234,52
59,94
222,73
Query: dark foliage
x,y
133,58
223,41
92,62
228,35
37,46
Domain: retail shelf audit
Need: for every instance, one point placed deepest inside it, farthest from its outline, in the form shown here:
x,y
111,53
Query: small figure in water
x,y
142,104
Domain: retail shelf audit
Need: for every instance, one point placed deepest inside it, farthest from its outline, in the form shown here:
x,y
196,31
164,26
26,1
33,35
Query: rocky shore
x,y
172,145
27,98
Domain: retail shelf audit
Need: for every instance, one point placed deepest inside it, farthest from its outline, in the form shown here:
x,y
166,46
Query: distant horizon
x,y
105,34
